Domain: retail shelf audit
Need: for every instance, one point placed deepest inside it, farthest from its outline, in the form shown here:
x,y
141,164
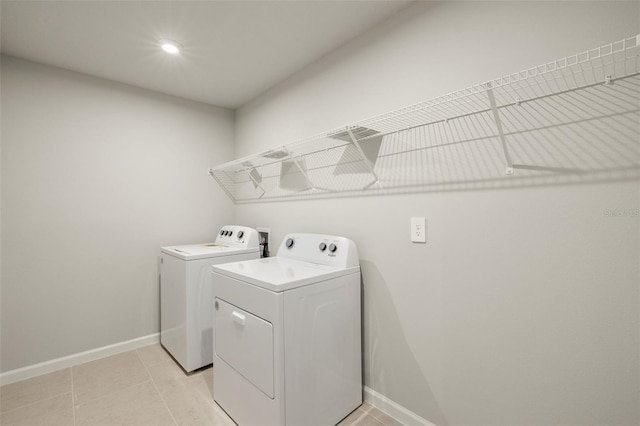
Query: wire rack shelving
x,y
575,117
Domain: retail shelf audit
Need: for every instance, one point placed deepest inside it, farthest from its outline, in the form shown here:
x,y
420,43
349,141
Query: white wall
x,y
523,306
96,176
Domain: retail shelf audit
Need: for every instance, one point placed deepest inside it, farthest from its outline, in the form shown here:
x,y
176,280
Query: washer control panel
x,y
319,248
237,236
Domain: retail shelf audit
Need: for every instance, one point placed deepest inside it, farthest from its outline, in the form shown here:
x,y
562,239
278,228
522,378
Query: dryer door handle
x,y
238,318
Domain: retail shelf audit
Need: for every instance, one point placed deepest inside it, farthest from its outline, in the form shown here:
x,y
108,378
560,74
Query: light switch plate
x,y
418,230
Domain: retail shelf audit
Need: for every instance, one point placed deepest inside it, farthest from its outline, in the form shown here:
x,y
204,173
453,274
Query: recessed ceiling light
x,y
170,46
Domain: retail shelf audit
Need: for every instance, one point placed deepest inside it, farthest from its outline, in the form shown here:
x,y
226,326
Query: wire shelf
x,y
576,118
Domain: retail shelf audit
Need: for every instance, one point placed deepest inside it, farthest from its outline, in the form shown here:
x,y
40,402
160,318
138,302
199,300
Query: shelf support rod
x,y
367,163
496,118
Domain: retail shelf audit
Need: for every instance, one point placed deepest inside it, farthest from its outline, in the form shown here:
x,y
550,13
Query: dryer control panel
x,y
322,249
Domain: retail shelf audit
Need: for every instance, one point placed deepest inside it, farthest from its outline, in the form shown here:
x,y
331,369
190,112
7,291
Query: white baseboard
x,y
75,359
393,409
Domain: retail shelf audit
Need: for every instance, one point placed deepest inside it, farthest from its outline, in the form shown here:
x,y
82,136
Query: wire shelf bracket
x,y
364,158
496,117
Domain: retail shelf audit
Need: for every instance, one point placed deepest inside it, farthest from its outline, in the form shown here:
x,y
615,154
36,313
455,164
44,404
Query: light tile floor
x,y
139,387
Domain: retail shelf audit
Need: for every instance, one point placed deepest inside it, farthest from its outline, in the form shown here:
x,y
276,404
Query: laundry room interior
x,y
521,306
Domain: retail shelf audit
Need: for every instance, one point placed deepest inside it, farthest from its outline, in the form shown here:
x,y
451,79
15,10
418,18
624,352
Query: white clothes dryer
x,y
287,334
186,299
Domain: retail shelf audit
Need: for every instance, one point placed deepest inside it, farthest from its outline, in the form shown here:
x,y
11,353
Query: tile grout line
x,y
156,388
34,402
113,392
369,413
362,416
73,397
376,413
39,400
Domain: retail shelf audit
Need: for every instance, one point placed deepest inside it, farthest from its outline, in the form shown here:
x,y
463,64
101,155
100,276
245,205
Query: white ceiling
x,y
233,50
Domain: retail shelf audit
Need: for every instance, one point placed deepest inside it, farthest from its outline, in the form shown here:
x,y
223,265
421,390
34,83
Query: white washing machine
x,y
287,335
186,298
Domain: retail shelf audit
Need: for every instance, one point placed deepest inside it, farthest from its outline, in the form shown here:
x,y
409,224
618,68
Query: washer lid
x,y
205,250
280,274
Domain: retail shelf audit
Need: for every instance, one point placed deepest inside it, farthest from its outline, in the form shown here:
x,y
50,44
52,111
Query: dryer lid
x,y
280,274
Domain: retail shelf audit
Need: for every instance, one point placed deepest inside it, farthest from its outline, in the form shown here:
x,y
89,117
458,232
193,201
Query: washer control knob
x,y
289,242
322,246
240,234
333,248
230,233
222,232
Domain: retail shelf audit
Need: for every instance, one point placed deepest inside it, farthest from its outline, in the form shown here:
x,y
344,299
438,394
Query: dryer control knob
x,y
322,246
222,232
230,233
289,242
240,234
333,248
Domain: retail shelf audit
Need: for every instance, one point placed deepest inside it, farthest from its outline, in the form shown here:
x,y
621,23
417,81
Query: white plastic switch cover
x,y
418,230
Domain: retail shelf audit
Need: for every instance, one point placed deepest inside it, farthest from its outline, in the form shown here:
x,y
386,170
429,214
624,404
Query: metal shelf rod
x,y
496,117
